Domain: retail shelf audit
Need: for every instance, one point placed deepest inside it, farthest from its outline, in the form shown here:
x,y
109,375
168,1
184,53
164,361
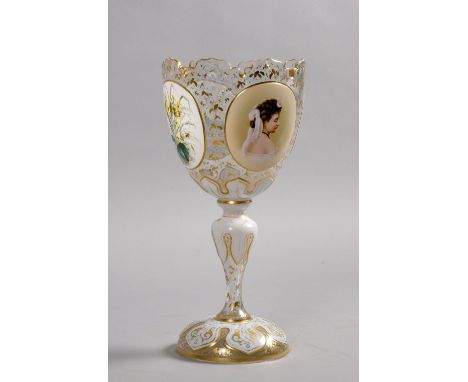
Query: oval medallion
x,y
260,124
185,123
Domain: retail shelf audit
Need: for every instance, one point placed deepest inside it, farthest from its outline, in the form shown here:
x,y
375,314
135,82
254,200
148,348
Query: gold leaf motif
x,y
216,107
228,243
249,241
222,352
257,73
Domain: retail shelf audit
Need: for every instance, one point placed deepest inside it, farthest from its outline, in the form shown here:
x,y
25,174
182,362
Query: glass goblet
x,y
233,126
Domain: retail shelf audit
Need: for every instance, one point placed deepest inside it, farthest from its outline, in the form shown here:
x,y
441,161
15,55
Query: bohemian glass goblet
x,y
233,126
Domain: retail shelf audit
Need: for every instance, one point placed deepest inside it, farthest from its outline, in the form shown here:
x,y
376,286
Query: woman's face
x,y
271,125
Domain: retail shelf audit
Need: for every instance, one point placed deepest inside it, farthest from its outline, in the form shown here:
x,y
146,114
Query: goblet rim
x,y
293,62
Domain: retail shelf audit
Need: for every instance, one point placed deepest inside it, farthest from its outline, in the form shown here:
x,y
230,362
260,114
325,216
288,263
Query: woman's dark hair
x,y
267,109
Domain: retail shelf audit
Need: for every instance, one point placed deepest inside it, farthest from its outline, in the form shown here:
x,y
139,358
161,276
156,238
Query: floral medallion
x,y
185,124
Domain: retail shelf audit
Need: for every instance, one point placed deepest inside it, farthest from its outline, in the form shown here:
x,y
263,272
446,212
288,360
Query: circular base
x,y
252,340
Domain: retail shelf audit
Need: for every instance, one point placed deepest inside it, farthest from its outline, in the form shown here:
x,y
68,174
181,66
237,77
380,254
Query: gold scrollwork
x,y
250,238
220,351
228,243
227,238
222,188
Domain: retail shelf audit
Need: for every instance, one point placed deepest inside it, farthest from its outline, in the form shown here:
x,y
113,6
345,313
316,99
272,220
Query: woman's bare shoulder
x,y
268,145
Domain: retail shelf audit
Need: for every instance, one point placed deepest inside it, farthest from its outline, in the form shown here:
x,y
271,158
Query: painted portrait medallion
x,y
260,124
185,123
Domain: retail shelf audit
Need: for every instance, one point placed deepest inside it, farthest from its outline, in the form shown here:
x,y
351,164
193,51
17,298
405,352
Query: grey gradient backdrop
x,y
163,268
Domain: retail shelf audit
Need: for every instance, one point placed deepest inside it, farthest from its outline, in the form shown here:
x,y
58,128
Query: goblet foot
x,y
252,340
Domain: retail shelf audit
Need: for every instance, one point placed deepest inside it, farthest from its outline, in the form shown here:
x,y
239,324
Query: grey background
x,y
163,268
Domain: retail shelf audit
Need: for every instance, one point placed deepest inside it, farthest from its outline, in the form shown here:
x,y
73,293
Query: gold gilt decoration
x,y
227,238
273,73
221,201
232,345
257,73
222,188
228,243
249,241
234,265
214,126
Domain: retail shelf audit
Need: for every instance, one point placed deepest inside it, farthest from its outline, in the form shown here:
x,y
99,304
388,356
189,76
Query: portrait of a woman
x,y
264,121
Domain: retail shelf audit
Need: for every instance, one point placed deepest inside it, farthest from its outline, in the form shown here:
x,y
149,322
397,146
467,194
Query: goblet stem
x,y
233,235
233,335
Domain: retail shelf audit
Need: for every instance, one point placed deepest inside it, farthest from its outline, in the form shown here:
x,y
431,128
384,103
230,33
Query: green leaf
x,y
183,152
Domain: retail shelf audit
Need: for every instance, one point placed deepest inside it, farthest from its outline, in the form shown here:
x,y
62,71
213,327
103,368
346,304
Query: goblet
x,y
233,126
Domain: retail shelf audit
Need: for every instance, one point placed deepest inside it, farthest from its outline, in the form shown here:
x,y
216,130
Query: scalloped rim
x,y
193,63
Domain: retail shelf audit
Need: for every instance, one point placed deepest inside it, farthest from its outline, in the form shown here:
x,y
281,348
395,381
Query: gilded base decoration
x,y
233,335
252,340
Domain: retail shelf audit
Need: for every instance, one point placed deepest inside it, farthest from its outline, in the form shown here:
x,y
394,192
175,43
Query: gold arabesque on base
x,y
221,351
